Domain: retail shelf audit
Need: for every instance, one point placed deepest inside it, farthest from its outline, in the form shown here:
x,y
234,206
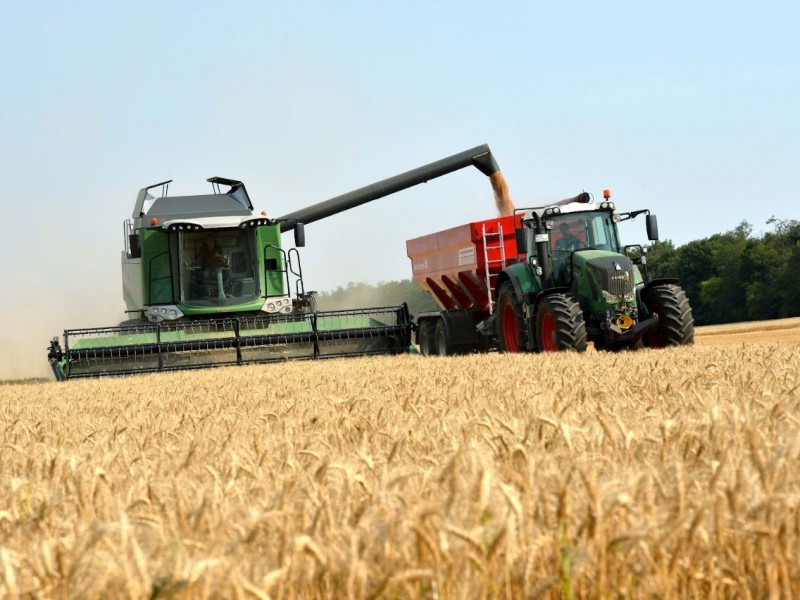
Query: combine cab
x,y
207,283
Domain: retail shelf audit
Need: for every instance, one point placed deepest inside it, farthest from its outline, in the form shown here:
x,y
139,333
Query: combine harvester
x,y
207,283
548,278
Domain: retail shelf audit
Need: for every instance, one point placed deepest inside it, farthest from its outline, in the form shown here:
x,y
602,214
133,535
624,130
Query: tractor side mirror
x,y
299,235
522,241
652,228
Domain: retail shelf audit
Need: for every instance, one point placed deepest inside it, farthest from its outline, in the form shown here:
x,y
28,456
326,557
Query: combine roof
x,y
235,202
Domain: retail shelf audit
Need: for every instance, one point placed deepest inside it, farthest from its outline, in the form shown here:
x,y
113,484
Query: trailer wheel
x,y
559,324
675,320
440,337
512,335
426,337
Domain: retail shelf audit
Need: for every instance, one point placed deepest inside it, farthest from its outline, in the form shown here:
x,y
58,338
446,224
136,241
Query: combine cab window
x,y
218,267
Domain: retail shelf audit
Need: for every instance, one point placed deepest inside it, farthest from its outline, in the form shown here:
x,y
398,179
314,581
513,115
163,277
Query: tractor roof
x,y
572,207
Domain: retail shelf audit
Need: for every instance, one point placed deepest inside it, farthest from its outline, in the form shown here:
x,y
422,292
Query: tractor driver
x,y
564,245
568,242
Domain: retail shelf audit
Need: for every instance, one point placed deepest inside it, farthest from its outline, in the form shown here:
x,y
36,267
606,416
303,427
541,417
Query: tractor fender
x,y
520,278
662,281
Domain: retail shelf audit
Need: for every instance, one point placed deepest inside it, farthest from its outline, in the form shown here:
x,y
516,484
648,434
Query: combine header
x,y
207,283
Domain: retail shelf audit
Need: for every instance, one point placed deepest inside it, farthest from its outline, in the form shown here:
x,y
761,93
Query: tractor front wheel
x,y
675,320
509,312
559,324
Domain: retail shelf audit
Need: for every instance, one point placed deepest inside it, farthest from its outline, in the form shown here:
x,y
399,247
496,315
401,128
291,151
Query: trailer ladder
x,y
490,277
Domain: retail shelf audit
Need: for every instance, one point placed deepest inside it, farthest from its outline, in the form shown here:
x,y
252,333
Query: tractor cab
x,y
572,233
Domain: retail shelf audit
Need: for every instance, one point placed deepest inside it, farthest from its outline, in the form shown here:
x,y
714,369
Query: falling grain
x,y
502,197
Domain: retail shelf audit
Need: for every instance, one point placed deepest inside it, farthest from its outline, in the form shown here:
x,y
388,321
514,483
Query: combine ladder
x,y
492,277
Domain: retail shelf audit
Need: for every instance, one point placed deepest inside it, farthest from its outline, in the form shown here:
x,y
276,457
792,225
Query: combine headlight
x,y
254,223
184,227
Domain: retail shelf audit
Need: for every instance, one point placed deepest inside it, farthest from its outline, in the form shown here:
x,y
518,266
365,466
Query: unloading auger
x,y
207,283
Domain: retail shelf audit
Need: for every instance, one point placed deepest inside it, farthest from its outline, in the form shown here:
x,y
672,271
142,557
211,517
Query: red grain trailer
x,y
459,267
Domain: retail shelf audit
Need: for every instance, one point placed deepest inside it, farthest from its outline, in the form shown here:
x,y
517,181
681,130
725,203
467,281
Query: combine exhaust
x,y
159,347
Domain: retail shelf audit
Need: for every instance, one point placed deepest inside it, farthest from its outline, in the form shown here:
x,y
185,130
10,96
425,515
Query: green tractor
x,y
548,278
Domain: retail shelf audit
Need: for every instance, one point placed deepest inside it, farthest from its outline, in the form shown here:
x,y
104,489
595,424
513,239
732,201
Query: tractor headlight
x,y
612,299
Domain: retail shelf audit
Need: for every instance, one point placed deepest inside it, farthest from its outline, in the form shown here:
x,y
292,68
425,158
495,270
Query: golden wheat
x,y
648,474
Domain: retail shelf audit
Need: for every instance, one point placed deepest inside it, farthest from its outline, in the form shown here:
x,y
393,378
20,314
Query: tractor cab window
x,y
218,267
579,231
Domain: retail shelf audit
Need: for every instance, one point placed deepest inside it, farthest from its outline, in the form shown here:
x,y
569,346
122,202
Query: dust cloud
x,y
29,326
502,197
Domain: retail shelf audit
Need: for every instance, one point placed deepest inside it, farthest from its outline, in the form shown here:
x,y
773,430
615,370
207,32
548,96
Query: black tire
x,y
510,322
440,336
426,337
560,325
675,320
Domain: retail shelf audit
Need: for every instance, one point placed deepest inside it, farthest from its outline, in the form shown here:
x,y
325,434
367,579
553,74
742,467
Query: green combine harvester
x,y
207,283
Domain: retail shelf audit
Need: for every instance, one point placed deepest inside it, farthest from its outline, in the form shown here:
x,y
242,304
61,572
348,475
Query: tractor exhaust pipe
x,y
479,157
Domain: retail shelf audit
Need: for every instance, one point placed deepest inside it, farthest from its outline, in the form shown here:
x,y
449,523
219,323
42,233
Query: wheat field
x,y
667,473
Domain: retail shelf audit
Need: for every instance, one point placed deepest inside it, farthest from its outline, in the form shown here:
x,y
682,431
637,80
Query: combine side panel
x,y
457,255
269,244
156,267
149,348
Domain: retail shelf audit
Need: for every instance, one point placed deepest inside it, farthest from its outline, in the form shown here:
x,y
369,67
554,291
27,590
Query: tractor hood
x,y
610,277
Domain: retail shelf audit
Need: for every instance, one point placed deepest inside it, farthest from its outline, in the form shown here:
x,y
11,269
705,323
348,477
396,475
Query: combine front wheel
x,y
559,324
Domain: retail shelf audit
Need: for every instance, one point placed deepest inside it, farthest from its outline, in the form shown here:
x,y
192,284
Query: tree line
x,y
729,277
736,276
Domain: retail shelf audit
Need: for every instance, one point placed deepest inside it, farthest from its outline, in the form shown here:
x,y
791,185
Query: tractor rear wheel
x,y
426,337
675,320
559,324
509,312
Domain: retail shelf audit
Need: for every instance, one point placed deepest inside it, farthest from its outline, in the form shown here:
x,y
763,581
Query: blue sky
x,y
689,109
